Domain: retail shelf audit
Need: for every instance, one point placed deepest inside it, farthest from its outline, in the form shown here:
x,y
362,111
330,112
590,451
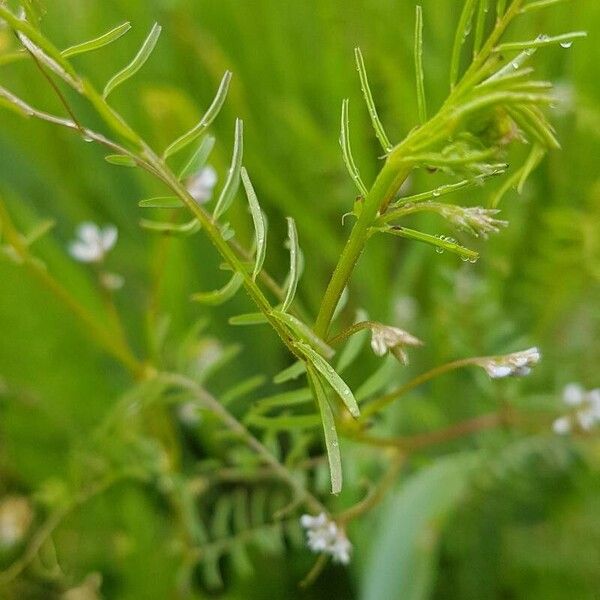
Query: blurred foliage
x,y
525,524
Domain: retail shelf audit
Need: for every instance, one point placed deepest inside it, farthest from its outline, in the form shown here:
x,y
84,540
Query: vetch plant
x,y
492,103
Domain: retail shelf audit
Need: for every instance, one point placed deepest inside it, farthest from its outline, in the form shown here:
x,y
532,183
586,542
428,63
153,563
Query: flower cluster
x,y
516,364
324,535
476,220
93,243
385,338
586,409
201,185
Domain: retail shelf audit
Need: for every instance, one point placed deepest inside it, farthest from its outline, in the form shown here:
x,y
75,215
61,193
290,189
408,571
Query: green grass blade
x,y
347,151
366,90
462,32
330,376
220,296
260,229
232,183
136,64
420,75
249,319
294,265
539,4
99,42
482,12
209,116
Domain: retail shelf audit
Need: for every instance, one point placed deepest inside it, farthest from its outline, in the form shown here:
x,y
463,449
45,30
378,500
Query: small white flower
x,y
16,515
585,407
516,364
324,535
201,185
93,243
573,394
562,425
385,338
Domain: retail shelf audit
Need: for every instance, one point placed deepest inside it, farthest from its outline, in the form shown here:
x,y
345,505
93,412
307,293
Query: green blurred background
x,y
531,528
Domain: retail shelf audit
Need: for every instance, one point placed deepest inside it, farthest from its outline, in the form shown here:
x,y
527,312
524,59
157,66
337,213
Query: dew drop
x,y
437,193
439,250
566,44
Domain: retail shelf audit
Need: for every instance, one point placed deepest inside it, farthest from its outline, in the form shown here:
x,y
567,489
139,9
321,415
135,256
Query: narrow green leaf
x,y
366,90
199,158
209,116
304,332
249,319
294,265
216,297
332,444
330,375
347,150
462,32
136,64
292,372
245,387
39,231
122,160
259,223
500,8
539,4
286,399
185,229
161,202
420,75
482,12
540,41
533,160
440,243
284,422
99,42
232,183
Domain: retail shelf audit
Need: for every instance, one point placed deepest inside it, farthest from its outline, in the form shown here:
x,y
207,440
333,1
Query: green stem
x,y
383,401
386,185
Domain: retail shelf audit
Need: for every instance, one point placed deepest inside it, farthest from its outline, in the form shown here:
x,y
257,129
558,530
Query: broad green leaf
x,y
249,319
209,116
304,332
199,158
99,42
332,444
403,554
294,265
292,372
330,376
260,230
347,150
232,183
122,160
366,90
162,202
136,64
216,297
